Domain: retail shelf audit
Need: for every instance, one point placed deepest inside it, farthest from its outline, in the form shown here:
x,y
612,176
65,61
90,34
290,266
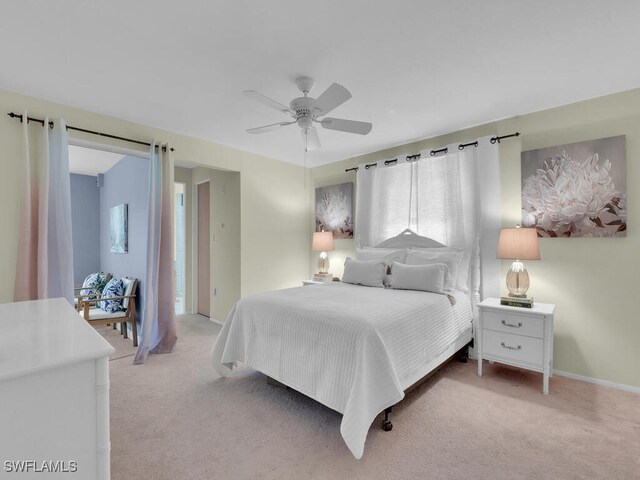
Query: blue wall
x,y
85,226
126,182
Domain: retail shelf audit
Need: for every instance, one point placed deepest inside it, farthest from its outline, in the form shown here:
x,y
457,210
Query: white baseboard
x,y
218,322
597,381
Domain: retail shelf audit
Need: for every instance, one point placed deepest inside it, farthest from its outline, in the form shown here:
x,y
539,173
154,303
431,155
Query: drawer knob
x,y
504,345
518,325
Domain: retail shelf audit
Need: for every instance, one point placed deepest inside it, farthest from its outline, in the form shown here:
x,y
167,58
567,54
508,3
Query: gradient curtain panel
x,y
158,324
45,248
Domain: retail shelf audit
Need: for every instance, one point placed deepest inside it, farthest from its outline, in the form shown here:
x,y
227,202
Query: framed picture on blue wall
x,y
118,228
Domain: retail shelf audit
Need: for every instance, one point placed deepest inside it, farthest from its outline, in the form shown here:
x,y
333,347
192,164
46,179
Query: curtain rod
x,y
435,152
84,130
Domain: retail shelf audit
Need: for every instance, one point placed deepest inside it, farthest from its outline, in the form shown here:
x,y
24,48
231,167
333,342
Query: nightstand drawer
x,y
513,323
515,347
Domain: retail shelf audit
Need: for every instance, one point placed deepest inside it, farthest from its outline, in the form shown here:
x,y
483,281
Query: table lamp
x,y
518,244
322,242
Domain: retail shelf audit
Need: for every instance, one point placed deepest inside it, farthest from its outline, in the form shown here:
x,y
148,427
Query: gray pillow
x,y
427,278
369,273
450,258
389,255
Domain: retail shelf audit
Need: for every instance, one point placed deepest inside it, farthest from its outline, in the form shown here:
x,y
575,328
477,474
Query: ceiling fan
x,y
306,111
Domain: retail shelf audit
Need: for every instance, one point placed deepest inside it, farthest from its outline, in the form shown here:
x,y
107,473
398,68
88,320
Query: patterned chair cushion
x,y
115,288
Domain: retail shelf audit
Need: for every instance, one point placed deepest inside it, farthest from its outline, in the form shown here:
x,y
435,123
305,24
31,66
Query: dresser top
x,y
44,334
538,308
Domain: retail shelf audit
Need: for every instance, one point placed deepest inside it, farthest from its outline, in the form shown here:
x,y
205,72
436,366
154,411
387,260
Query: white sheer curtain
x,y
45,250
452,198
158,322
383,202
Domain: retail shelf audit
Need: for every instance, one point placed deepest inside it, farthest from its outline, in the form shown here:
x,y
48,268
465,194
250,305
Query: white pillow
x,y
369,273
427,278
450,258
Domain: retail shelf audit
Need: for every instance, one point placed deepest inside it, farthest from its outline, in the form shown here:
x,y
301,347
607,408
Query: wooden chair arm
x,y
83,288
86,304
90,296
117,298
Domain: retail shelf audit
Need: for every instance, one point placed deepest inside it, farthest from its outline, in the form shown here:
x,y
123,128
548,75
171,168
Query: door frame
x,y
184,233
194,244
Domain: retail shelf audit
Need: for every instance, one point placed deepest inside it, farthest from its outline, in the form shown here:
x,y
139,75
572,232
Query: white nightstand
x,y
522,337
312,282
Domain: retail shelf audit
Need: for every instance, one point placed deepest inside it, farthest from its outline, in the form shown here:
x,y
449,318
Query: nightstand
x,y
312,282
521,337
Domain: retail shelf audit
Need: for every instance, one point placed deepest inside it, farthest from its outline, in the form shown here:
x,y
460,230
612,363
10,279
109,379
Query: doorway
x,y
204,249
109,208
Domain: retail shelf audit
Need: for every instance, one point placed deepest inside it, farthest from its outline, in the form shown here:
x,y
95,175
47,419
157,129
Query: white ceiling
x,y
416,68
88,161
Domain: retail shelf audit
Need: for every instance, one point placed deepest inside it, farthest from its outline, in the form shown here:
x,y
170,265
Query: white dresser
x,y
522,337
54,393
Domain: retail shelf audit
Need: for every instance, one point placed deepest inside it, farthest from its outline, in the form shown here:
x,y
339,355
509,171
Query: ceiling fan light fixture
x,y
305,111
305,122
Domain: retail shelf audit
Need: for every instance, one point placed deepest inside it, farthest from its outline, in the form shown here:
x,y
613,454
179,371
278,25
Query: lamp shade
x,y
322,242
518,244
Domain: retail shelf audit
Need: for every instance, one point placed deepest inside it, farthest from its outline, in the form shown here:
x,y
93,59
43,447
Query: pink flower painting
x,y
576,190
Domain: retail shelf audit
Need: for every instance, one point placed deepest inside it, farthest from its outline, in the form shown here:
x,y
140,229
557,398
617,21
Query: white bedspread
x,y
354,349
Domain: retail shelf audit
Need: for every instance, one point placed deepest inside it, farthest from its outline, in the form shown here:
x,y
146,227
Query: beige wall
x,y
224,211
281,220
591,280
274,199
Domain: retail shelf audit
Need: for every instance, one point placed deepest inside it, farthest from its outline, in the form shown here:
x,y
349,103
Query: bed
x,y
353,348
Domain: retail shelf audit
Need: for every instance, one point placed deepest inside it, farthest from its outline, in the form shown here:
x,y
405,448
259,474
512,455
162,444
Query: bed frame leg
x,y
276,383
386,423
464,355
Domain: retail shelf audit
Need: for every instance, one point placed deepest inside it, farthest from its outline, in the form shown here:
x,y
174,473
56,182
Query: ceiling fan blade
x,y
310,139
350,126
333,97
268,128
268,101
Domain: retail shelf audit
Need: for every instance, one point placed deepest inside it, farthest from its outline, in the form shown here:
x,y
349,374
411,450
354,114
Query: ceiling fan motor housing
x,y
305,111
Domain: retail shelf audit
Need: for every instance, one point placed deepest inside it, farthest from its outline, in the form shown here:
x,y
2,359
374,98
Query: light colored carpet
x,y
124,346
173,418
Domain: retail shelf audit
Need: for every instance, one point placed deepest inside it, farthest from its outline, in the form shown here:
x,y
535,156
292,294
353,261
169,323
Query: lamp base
x,y
517,280
323,263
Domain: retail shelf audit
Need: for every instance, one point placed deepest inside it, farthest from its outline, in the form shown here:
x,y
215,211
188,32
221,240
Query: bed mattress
x,y
354,349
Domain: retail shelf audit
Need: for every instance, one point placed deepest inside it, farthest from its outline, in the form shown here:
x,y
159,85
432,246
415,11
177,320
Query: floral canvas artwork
x,y
576,190
334,210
